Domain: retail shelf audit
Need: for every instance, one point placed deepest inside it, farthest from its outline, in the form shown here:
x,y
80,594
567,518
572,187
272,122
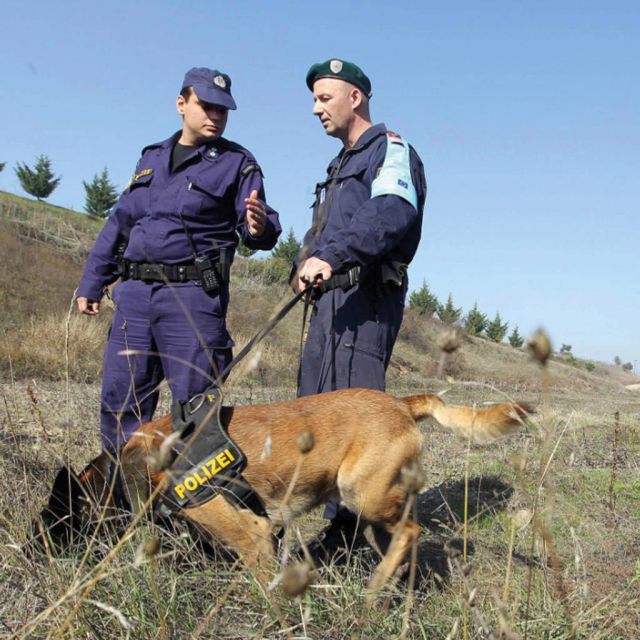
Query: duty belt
x,y
340,280
158,272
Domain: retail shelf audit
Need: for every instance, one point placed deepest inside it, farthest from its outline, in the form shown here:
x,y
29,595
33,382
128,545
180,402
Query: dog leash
x,y
262,333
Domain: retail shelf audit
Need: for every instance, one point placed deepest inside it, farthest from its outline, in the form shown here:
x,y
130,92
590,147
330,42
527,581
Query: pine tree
x,y
448,313
244,251
288,248
101,195
496,330
2,164
515,339
424,301
475,322
39,181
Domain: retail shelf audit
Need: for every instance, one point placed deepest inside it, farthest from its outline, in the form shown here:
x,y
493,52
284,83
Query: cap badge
x,y
220,82
335,66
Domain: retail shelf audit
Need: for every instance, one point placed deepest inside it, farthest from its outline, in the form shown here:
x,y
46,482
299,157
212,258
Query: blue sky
x,y
526,114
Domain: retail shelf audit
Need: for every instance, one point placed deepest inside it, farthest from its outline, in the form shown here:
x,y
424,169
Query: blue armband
x,y
394,177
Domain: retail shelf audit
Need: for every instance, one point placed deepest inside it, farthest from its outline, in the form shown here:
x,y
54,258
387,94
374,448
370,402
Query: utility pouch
x,y
121,267
393,273
207,273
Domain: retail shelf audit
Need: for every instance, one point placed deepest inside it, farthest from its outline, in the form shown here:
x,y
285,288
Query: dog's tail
x,y
481,424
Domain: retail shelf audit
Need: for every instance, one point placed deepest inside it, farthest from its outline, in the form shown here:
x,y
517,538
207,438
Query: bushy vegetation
x,y
101,195
425,302
287,248
39,181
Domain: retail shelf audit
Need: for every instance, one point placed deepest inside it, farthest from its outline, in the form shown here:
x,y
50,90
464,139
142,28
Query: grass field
x,y
535,537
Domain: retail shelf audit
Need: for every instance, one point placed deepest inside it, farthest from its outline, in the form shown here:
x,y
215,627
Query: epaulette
x,y
153,145
248,168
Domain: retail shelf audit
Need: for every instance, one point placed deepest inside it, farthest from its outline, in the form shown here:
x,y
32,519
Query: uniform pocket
x,y
211,189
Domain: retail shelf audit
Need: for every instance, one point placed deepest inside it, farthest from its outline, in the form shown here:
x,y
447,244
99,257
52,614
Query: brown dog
x,y
362,440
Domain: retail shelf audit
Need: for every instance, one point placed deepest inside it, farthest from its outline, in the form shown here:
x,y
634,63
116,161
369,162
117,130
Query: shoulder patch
x,y
248,168
141,174
394,177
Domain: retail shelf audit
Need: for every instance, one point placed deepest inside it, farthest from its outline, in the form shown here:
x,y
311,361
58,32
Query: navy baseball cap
x,y
210,85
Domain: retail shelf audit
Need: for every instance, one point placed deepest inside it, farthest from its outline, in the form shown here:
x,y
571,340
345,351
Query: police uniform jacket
x,y
204,194
352,228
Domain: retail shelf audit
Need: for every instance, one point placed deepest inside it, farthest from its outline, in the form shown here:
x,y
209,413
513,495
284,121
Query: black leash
x,y
261,334
307,304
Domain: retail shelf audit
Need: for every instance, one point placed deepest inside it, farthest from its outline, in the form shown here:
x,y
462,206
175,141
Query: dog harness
x,y
207,461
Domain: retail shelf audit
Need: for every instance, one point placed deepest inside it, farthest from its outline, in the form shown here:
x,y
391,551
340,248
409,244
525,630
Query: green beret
x,y
342,70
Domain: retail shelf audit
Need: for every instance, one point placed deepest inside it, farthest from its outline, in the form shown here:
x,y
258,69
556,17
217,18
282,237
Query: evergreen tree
x,y
448,313
2,164
39,181
424,301
496,330
515,339
101,195
288,248
244,251
565,348
475,322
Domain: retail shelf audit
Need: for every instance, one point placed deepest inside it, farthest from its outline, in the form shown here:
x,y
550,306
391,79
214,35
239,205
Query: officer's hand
x,y
314,270
88,307
256,214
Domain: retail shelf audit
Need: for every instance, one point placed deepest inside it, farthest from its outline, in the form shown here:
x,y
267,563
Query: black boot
x,y
338,539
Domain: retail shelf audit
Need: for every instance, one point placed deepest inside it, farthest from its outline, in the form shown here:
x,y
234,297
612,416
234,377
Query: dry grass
x,y
548,553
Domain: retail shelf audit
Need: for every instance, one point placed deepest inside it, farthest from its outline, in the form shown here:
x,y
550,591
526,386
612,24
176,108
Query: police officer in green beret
x,y
365,230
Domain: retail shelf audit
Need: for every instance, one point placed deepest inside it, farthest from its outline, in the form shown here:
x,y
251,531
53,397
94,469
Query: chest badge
x,y
213,152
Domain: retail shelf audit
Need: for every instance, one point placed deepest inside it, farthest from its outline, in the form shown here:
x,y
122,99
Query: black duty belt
x,y
158,272
340,280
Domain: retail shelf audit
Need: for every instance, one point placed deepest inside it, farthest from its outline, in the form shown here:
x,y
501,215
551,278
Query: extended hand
x,y
256,214
88,307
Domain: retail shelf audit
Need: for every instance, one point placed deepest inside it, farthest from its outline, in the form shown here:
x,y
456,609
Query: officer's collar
x,y
170,142
364,140
371,133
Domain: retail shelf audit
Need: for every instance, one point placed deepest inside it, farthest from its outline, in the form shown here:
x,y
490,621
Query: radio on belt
x,y
207,273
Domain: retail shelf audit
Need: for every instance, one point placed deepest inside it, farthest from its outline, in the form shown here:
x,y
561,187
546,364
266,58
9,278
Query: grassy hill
x,y
552,526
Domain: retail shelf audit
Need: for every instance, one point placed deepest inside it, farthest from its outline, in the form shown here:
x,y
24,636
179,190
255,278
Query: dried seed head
x,y
522,518
305,441
449,340
151,547
412,477
540,346
519,463
296,578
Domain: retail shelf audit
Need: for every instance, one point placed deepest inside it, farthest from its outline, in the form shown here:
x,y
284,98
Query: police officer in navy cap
x,y
171,237
365,230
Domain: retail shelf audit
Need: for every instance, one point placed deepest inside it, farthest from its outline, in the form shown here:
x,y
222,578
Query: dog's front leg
x,y
249,535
